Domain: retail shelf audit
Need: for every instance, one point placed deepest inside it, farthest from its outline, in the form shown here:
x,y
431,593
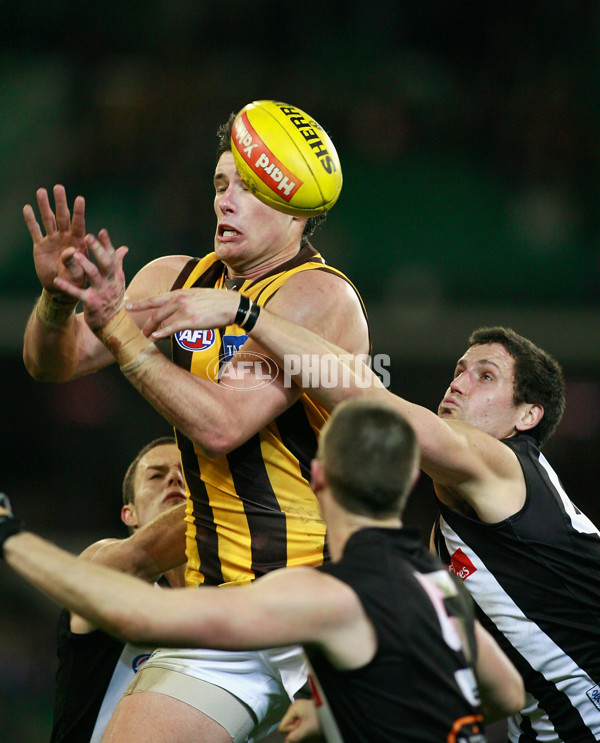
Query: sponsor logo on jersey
x,y
195,340
314,690
139,661
231,345
460,565
594,695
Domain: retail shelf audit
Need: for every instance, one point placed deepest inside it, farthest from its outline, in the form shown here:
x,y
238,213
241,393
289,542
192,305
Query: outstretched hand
x,y
106,281
187,309
301,722
53,250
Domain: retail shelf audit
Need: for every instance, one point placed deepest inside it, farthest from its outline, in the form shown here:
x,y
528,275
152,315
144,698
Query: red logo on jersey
x,y
315,692
195,340
460,565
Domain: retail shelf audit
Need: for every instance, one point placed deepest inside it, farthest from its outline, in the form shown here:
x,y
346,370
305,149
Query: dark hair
x,y
129,479
224,137
538,377
369,453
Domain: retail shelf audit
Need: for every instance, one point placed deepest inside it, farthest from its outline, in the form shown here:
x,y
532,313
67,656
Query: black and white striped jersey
x,y
535,578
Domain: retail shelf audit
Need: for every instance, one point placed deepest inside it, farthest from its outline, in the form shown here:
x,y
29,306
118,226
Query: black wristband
x,y
251,318
242,310
9,525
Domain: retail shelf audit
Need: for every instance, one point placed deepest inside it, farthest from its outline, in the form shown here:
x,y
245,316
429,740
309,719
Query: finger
x,y
74,270
71,289
32,223
149,303
78,222
103,252
89,269
63,216
158,331
289,720
120,254
165,321
46,213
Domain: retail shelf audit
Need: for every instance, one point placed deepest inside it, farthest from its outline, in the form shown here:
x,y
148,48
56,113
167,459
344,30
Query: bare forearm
x,y
314,362
184,400
152,550
501,686
59,351
50,353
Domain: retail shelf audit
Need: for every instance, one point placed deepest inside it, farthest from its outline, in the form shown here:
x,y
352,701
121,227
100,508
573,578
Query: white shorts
x,y
264,681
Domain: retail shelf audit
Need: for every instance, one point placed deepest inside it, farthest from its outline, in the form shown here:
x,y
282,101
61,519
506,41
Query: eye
x,y
487,377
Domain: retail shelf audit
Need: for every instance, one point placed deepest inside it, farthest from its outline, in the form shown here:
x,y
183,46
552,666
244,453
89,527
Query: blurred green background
x,y
469,141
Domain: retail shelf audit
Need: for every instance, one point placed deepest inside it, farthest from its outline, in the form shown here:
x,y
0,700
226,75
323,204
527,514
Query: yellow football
x,y
286,158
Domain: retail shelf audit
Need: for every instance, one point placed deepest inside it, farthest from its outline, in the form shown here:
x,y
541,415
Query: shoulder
x,y
326,303
98,551
156,277
320,279
486,474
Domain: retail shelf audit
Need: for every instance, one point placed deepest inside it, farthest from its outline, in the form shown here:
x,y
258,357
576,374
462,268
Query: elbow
x,y
41,374
33,369
517,701
218,443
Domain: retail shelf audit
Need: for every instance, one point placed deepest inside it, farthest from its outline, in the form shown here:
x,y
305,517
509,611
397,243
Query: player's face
x,y
482,391
158,483
250,236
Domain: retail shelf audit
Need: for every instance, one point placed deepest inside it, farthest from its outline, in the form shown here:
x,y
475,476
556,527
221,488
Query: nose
x,y
175,477
226,200
459,383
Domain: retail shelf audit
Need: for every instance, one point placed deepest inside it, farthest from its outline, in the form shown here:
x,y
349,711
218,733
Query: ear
x,y
317,475
128,516
531,415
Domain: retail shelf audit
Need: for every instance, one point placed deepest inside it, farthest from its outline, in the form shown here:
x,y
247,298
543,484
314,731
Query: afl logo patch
x,y
139,661
195,340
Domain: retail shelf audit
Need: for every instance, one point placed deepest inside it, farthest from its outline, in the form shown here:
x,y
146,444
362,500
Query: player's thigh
x,y
148,716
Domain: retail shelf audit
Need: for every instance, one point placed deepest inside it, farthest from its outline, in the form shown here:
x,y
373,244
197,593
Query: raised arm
x,y
53,336
58,345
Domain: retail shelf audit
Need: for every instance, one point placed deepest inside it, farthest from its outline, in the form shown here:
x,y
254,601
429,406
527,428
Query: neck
x,y
255,271
345,524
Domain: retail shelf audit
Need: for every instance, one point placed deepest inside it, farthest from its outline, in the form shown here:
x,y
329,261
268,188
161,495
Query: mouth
x,y
226,232
447,406
448,403
175,497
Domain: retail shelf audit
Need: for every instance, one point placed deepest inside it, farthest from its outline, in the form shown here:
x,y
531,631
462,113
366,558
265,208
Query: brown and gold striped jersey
x,y
252,510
